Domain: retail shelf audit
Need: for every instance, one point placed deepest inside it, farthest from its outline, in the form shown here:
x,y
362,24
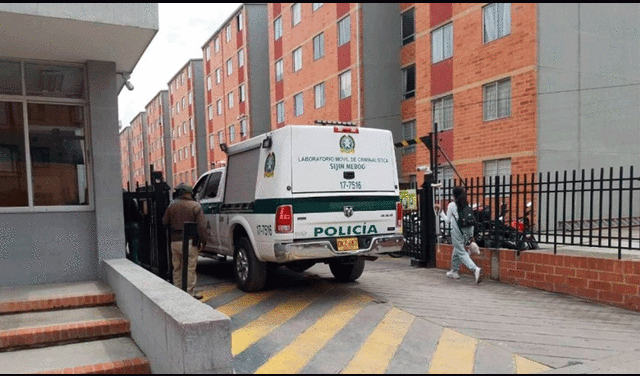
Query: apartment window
x,y
298,104
318,46
442,43
316,6
212,142
408,27
219,106
177,108
229,67
277,28
208,82
229,33
497,99
179,131
182,79
208,52
189,71
241,93
345,84
344,30
297,59
496,21
190,98
193,150
184,103
185,127
192,123
218,76
239,21
180,155
232,133
295,14
216,44
279,70
319,95
497,167
409,82
443,112
210,112
280,112
240,58
230,99
408,133
220,137
243,127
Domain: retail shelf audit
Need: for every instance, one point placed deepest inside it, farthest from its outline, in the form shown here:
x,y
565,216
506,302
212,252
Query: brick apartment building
x,y
186,103
336,62
159,135
138,148
236,79
125,157
520,88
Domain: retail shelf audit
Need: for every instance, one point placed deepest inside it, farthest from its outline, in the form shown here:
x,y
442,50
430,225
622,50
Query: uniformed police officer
x,y
185,209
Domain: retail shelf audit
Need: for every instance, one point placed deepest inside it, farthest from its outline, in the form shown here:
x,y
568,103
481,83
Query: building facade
x,y
139,151
236,79
159,135
187,123
60,203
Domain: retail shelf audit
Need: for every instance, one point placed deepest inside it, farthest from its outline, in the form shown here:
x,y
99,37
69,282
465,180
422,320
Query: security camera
x,y
426,169
129,85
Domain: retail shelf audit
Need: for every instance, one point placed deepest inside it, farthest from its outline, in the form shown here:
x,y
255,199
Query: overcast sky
x,y
184,28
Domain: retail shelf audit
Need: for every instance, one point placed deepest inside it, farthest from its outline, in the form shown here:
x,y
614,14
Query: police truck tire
x,y
347,272
250,273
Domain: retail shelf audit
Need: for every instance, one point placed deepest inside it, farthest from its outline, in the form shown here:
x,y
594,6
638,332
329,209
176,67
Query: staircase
x,y
65,328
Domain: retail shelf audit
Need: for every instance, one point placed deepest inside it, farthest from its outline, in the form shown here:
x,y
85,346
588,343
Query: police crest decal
x,y
270,165
347,144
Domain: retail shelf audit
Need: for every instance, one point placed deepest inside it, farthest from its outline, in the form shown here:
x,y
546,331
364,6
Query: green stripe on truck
x,y
313,205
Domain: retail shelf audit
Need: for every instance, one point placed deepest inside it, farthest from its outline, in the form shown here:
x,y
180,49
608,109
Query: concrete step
x,y
115,355
29,298
30,329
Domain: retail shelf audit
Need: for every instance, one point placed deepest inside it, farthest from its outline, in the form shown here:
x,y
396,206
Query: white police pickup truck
x,y
300,195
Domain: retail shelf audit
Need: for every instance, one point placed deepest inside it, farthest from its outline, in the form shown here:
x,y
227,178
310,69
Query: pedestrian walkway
x,y
401,319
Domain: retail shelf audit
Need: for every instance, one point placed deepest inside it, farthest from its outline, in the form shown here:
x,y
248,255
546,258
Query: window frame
x,y
280,110
341,37
315,93
340,80
293,53
279,63
405,74
442,32
241,58
497,84
232,133
442,103
319,47
241,93
230,99
228,32
409,38
277,28
315,6
219,107
504,190
298,108
296,9
497,22
408,136
229,66
218,76
240,21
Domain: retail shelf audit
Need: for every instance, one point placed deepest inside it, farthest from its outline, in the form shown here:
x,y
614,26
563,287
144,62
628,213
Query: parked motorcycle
x,y
524,230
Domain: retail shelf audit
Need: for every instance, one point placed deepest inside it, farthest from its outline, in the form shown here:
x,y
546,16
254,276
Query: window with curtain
x,y
280,112
279,70
345,84
344,30
442,109
229,67
230,99
218,76
232,133
295,14
298,104
316,6
241,93
496,21
277,28
297,59
497,99
318,46
319,95
442,43
240,58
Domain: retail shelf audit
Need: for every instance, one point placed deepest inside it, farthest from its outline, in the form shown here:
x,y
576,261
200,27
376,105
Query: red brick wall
x,y
609,281
183,169
155,134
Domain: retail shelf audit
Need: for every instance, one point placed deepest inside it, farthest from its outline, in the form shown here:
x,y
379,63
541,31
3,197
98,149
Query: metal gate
x,y
143,225
419,228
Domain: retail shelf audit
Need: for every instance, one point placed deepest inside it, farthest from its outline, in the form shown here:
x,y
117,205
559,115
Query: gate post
x,y
427,257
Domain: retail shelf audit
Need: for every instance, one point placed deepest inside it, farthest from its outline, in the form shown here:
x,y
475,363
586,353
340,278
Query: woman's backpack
x,y
466,218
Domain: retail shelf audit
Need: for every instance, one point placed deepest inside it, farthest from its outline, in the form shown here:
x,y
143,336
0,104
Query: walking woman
x,y
459,237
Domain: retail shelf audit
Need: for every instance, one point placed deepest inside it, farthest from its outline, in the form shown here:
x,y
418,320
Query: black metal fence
x,y
580,208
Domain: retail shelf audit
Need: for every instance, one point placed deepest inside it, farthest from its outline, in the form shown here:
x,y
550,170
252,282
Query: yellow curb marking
x,y
216,290
254,331
292,358
455,353
244,302
524,365
380,347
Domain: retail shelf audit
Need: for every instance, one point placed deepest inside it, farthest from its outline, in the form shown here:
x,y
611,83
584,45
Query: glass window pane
x,y
408,27
490,99
504,98
344,30
448,41
13,169
10,75
447,105
489,24
54,80
58,149
436,45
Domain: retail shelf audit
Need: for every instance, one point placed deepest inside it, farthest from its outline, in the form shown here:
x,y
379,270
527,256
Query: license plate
x,y
347,244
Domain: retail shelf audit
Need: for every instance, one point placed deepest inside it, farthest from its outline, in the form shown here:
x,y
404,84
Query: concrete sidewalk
x,y
568,334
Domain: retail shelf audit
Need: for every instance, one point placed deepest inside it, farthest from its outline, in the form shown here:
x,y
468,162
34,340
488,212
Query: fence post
x,y
427,256
188,233
496,204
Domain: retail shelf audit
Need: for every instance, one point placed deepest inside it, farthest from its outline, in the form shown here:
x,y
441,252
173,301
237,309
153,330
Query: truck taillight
x,y
338,129
399,214
284,219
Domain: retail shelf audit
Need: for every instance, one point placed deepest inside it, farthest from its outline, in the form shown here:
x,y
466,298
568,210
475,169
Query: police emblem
x,y
269,165
347,144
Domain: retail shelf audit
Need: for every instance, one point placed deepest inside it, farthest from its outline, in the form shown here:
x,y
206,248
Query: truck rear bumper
x,y
285,252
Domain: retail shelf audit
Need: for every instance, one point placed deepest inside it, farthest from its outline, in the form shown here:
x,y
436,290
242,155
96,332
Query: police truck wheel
x,y
347,272
250,272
